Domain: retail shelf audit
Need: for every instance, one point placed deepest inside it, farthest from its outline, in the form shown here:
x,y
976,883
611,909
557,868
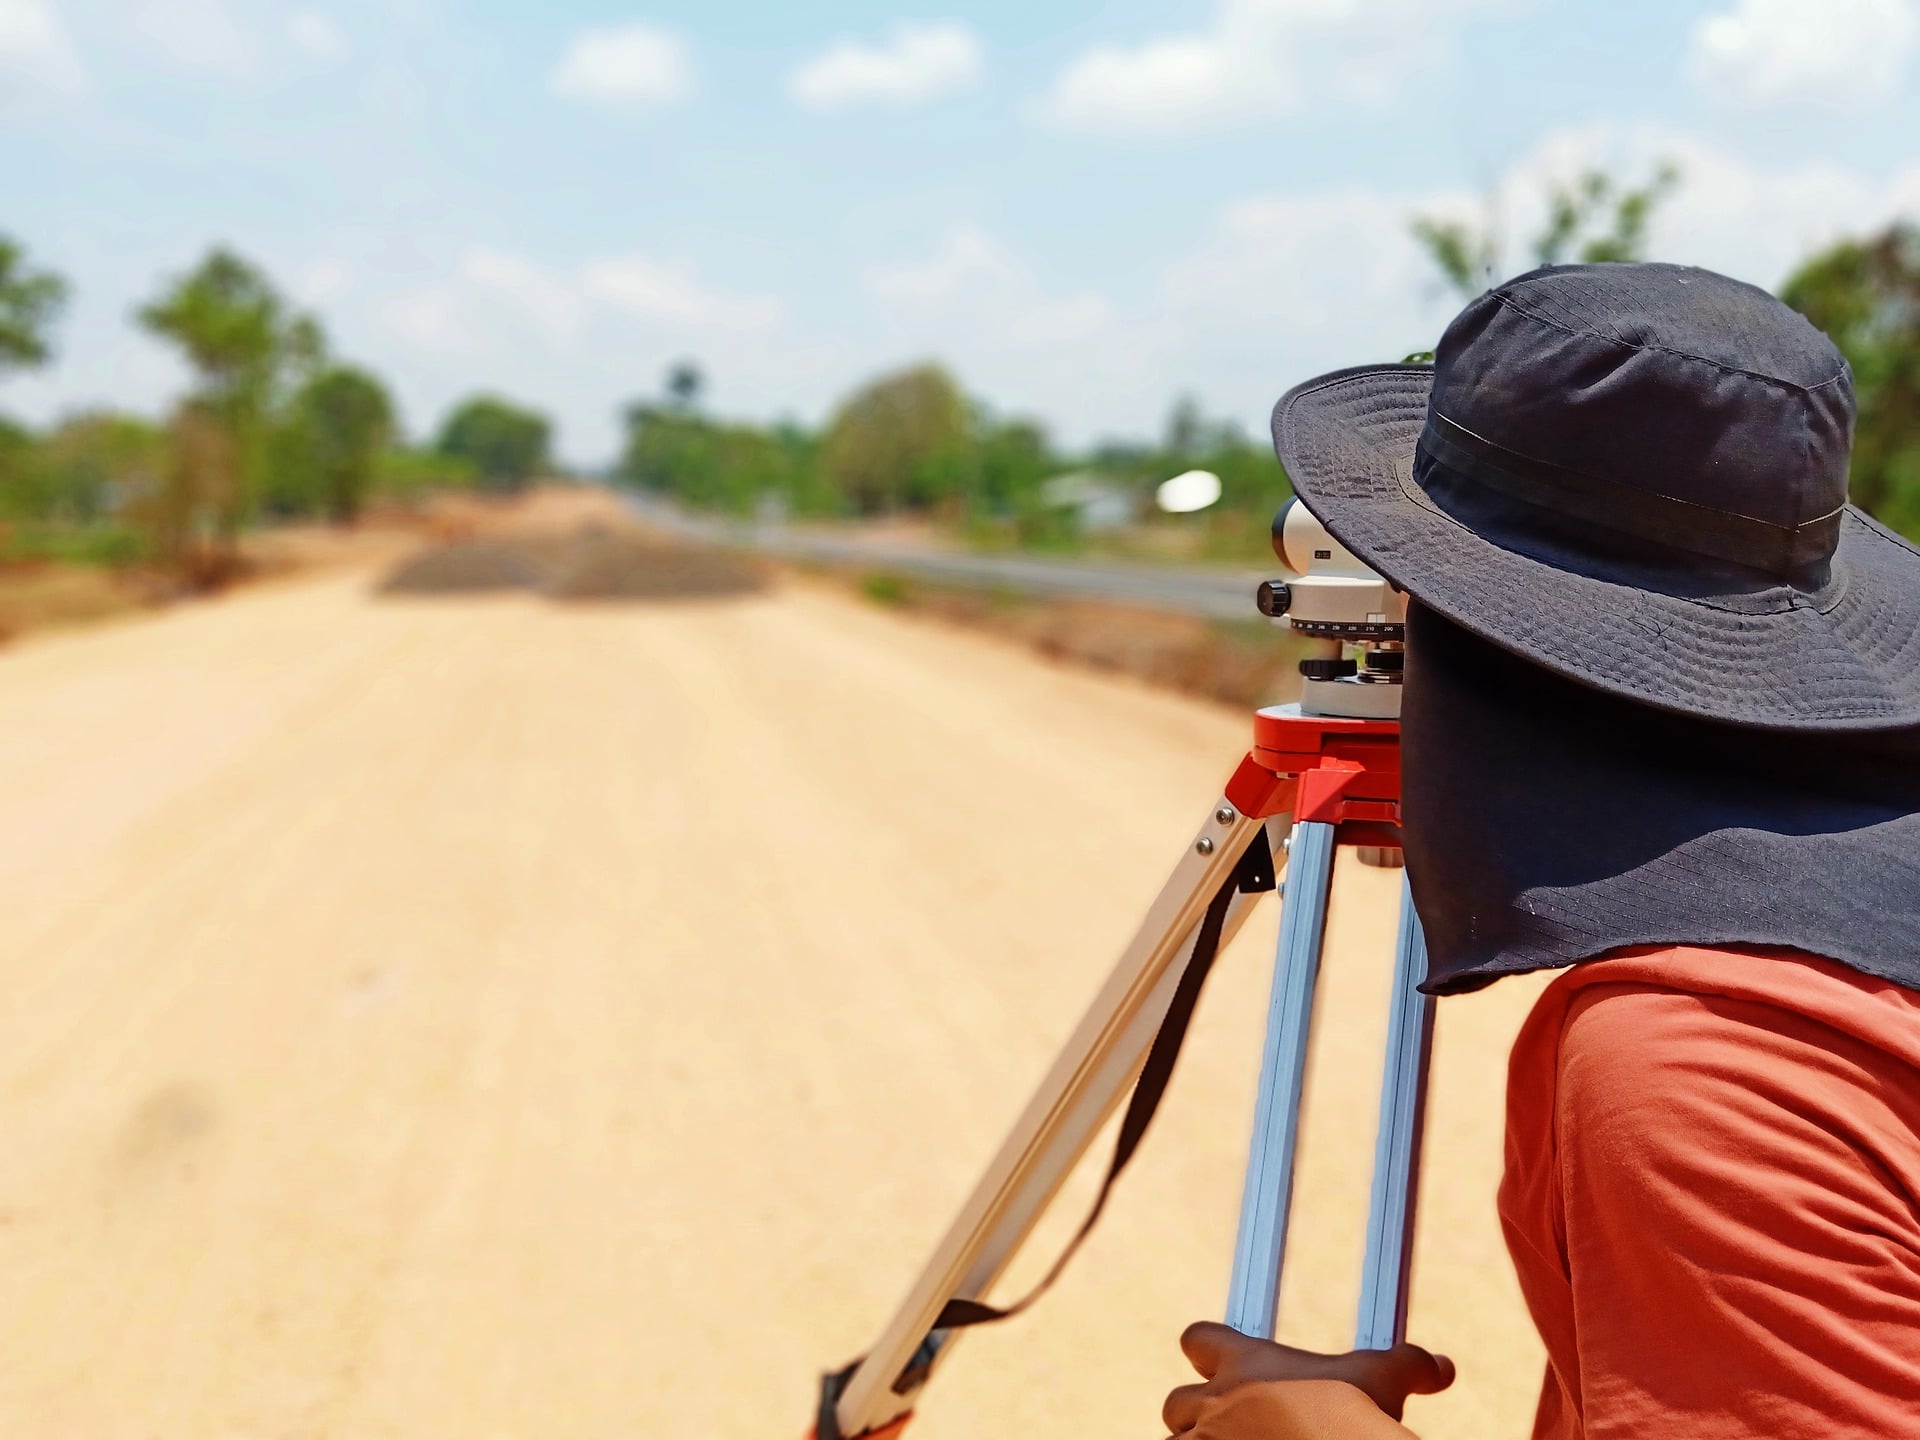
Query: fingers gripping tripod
x,y
1313,782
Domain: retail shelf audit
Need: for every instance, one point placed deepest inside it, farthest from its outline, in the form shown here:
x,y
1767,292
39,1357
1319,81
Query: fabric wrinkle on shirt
x,y
1712,1197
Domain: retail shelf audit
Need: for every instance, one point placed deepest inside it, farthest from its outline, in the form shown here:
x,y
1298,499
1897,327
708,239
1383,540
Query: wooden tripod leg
x,y
1079,1093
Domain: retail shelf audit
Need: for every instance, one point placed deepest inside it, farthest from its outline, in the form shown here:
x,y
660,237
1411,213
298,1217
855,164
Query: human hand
x,y
1257,1390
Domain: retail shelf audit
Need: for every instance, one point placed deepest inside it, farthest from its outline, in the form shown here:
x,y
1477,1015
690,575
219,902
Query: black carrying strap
x,y
1252,875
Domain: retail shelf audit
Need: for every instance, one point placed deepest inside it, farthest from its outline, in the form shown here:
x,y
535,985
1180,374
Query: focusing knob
x,y
1327,669
1273,598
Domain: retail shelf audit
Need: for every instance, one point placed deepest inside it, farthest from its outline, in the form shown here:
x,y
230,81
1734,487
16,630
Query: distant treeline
x,y
274,426
914,443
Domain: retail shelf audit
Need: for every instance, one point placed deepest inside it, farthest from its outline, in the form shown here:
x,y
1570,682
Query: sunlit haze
x,y
1085,210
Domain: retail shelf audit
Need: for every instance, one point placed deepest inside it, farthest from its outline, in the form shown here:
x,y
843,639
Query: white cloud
x,y
1283,286
1273,267
1761,52
965,257
197,35
495,301
582,340
1023,345
321,282
434,319
547,303
631,64
1276,287
35,51
973,285
670,293
916,63
1258,58
315,35
1727,213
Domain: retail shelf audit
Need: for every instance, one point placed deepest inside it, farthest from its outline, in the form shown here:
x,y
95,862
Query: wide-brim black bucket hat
x,y
1635,476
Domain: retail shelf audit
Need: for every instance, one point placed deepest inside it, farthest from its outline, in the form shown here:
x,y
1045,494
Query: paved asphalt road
x,y
1218,594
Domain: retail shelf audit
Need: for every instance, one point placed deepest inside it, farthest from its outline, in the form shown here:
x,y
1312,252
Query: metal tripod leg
x,y
1253,1298
1388,1268
1085,1085
1260,1251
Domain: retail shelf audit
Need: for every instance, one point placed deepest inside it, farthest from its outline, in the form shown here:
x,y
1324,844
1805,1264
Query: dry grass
x,y
1245,664
44,596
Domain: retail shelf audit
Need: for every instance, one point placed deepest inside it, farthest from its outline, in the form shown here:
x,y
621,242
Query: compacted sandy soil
x,y
494,1017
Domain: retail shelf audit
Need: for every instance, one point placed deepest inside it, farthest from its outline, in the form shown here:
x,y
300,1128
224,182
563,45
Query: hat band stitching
x,y
1403,468
1519,307
1644,515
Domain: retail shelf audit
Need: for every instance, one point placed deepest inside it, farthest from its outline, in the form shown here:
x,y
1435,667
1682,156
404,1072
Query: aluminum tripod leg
x,y
1254,1296
1085,1085
1260,1253
1388,1268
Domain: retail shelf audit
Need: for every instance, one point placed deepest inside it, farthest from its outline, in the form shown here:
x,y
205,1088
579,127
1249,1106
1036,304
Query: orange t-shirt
x,y
1712,1198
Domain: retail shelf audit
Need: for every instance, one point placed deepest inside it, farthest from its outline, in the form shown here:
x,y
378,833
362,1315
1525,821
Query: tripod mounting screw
x,y
1226,815
1203,845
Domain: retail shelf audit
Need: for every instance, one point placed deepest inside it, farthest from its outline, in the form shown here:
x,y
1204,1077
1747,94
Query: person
x,y
1661,727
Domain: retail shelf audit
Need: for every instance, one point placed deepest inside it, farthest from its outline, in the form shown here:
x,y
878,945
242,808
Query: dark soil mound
x,y
593,564
467,566
612,566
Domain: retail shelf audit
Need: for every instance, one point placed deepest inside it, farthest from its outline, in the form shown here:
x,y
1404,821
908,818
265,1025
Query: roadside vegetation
x,y
1244,663
912,444
274,427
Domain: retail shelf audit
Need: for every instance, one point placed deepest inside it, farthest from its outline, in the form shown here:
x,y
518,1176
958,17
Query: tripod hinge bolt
x,y
1204,845
1226,815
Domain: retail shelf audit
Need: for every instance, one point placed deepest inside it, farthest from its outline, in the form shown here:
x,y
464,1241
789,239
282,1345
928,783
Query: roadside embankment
x,y
1244,663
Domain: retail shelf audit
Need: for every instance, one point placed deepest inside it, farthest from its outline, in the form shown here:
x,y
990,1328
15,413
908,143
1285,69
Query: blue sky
x,y
1086,209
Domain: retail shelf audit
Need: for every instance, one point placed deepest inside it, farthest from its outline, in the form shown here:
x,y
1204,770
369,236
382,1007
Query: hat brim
x,y
1848,659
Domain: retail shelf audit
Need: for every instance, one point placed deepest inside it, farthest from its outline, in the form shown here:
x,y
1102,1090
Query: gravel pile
x,y
595,563
614,566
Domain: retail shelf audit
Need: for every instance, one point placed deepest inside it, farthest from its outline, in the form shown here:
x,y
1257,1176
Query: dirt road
x,y
486,1019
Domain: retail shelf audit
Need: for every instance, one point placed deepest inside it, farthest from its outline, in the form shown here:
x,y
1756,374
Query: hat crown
x,y
1666,382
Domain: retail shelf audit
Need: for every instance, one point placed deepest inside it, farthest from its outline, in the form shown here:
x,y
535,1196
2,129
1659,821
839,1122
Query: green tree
x,y
245,347
506,444
100,463
235,330
204,482
30,304
684,385
903,440
22,473
1865,294
1015,459
1592,218
406,474
337,427
714,466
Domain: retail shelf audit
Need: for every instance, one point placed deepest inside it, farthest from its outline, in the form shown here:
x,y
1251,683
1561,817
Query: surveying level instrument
x,y
1322,774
